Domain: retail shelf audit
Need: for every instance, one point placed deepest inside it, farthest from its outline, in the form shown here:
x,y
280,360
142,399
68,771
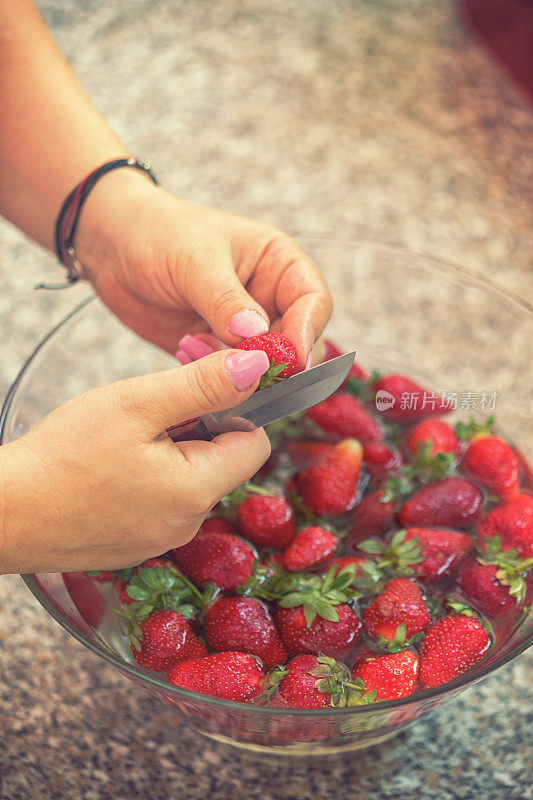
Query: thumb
x,y
213,383
231,313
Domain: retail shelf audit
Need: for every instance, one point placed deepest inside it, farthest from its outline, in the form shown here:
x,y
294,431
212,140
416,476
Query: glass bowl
x,y
455,332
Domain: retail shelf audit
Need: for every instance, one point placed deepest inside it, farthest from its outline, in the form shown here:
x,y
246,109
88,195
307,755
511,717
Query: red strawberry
x,y
279,349
451,646
342,415
303,454
493,462
86,596
298,688
159,561
229,676
332,351
322,636
439,433
267,521
513,523
400,602
166,639
218,558
392,676
481,587
372,517
311,546
120,587
440,549
329,486
346,561
379,460
409,402
101,577
217,525
453,502
244,624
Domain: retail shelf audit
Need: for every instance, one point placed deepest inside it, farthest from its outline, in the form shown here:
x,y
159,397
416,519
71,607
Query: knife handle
x,y
190,431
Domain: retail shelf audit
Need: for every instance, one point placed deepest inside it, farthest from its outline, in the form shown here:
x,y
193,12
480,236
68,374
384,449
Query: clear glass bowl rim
x,y
473,279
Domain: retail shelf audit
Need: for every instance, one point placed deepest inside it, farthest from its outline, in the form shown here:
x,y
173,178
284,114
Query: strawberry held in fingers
x,y
166,638
311,546
342,415
509,527
392,676
399,399
329,487
454,502
440,550
228,676
218,558
281,352
244,624
400,603
451,645
493,462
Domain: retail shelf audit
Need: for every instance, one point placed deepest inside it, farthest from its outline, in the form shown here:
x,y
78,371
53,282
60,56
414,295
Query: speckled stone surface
x,y
376,120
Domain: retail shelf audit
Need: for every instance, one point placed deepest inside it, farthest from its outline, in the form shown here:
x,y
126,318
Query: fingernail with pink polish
x,y
309,359
248,323
246,367
194,347
182,356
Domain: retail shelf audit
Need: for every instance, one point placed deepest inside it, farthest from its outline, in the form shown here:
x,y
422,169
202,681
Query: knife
x,y
280,400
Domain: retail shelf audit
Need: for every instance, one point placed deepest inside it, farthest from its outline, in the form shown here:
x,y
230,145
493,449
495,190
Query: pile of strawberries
x,y
374,555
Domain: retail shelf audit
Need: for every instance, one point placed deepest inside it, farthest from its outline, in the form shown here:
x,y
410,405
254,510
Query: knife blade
x,y
268,405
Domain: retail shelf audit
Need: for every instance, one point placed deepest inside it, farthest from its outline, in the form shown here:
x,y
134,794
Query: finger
x,y
223,302
226,462
218,381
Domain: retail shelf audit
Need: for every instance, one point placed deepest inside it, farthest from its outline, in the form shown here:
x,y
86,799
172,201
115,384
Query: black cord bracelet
x,y
67,220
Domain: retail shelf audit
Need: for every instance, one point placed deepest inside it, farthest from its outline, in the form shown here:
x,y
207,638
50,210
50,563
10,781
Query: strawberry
x,y
281,352
334,639
244,624
400,603
267,521
438,433
121,588
217,525
480,586
440,550
330,485
379,460
158,561
373,516
166,638
347,561
341,415
409,402
303,453
87,598
453,502
493,462
218,558
451,646
392,676
229,676
512,523
311,682
101,577
311,546
332,351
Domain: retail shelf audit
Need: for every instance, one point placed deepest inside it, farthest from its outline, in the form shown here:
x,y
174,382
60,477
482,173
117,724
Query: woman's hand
x,y
98,485
168,268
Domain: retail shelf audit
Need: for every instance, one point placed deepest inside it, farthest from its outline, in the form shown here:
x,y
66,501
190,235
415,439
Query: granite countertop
x,y
376,120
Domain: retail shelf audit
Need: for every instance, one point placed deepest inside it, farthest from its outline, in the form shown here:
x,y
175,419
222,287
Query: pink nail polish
x,y
309,359
248,323
246,367
182,356
194,347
